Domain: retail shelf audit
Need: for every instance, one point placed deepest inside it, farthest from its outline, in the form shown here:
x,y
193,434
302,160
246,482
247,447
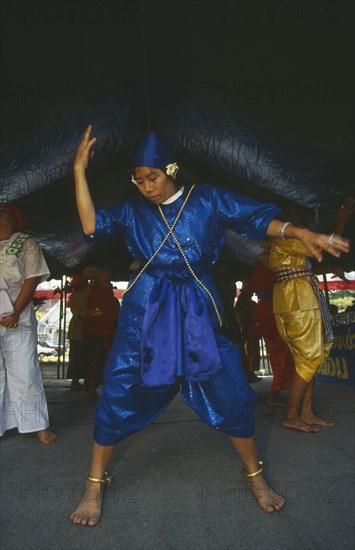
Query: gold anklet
x,y
258,472
106,479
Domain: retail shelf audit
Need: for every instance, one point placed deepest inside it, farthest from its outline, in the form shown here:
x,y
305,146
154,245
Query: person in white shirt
x,y
22,399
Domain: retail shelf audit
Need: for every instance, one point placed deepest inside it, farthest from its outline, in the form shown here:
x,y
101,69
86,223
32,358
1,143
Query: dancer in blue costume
x,y
169,337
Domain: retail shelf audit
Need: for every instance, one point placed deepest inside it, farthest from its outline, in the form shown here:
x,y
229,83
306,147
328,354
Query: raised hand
x,y
84,152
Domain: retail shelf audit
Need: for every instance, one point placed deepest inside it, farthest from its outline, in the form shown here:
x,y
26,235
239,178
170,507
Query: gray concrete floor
x,y
178,484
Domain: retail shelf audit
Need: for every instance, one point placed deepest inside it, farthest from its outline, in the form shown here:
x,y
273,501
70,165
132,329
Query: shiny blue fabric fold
x,y
178,338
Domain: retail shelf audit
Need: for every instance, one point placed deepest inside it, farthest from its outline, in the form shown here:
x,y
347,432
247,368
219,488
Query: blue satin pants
x,y
225,402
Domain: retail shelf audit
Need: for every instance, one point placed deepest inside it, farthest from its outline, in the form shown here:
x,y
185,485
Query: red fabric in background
x,y
262,279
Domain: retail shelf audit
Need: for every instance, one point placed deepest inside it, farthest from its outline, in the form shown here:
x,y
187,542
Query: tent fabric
x,y
305,176
39,171
48,157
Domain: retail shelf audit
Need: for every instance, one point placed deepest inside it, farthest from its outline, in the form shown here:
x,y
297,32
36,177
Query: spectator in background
x,y
78,349
227,291
245,309
99,324
22,400
261,281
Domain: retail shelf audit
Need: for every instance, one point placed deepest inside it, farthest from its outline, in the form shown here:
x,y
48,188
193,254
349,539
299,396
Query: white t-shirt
x,y
20,258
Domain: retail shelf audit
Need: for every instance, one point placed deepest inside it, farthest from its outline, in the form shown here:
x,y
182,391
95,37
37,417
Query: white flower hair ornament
x,y
171,170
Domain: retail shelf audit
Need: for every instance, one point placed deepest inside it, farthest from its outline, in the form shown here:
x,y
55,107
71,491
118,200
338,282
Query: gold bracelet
x,y
258,472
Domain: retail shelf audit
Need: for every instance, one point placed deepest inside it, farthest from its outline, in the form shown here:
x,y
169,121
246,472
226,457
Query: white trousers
x,y
22,400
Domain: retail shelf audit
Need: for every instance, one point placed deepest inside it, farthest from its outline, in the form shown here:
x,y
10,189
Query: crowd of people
x,y
171,333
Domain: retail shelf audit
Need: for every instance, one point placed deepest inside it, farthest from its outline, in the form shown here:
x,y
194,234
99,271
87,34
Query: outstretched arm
x,y
85,205
316,243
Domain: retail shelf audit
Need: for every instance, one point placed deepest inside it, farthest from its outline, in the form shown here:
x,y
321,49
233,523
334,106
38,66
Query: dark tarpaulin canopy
x,y
292,151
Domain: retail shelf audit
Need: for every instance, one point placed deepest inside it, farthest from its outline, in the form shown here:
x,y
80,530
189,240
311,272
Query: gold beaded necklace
x,y
190,268
161,244
171,232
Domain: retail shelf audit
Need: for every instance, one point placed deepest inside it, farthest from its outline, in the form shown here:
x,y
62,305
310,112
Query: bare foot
x,y
299,424
313,419
89,510
267,499
46,437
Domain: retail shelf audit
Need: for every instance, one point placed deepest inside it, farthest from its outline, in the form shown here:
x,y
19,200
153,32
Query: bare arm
x,y
316,243
85,205
23,299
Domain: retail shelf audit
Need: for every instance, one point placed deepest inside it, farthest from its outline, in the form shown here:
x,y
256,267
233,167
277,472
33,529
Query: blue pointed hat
x,y
154,151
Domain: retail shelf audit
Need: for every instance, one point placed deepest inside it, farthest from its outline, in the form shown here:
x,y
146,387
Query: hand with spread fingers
x,y
84,152
318,243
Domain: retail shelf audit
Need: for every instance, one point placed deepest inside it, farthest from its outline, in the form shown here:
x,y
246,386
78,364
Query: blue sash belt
x,y
178,338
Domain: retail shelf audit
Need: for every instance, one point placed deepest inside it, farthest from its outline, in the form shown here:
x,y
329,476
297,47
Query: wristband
x,y
282,230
